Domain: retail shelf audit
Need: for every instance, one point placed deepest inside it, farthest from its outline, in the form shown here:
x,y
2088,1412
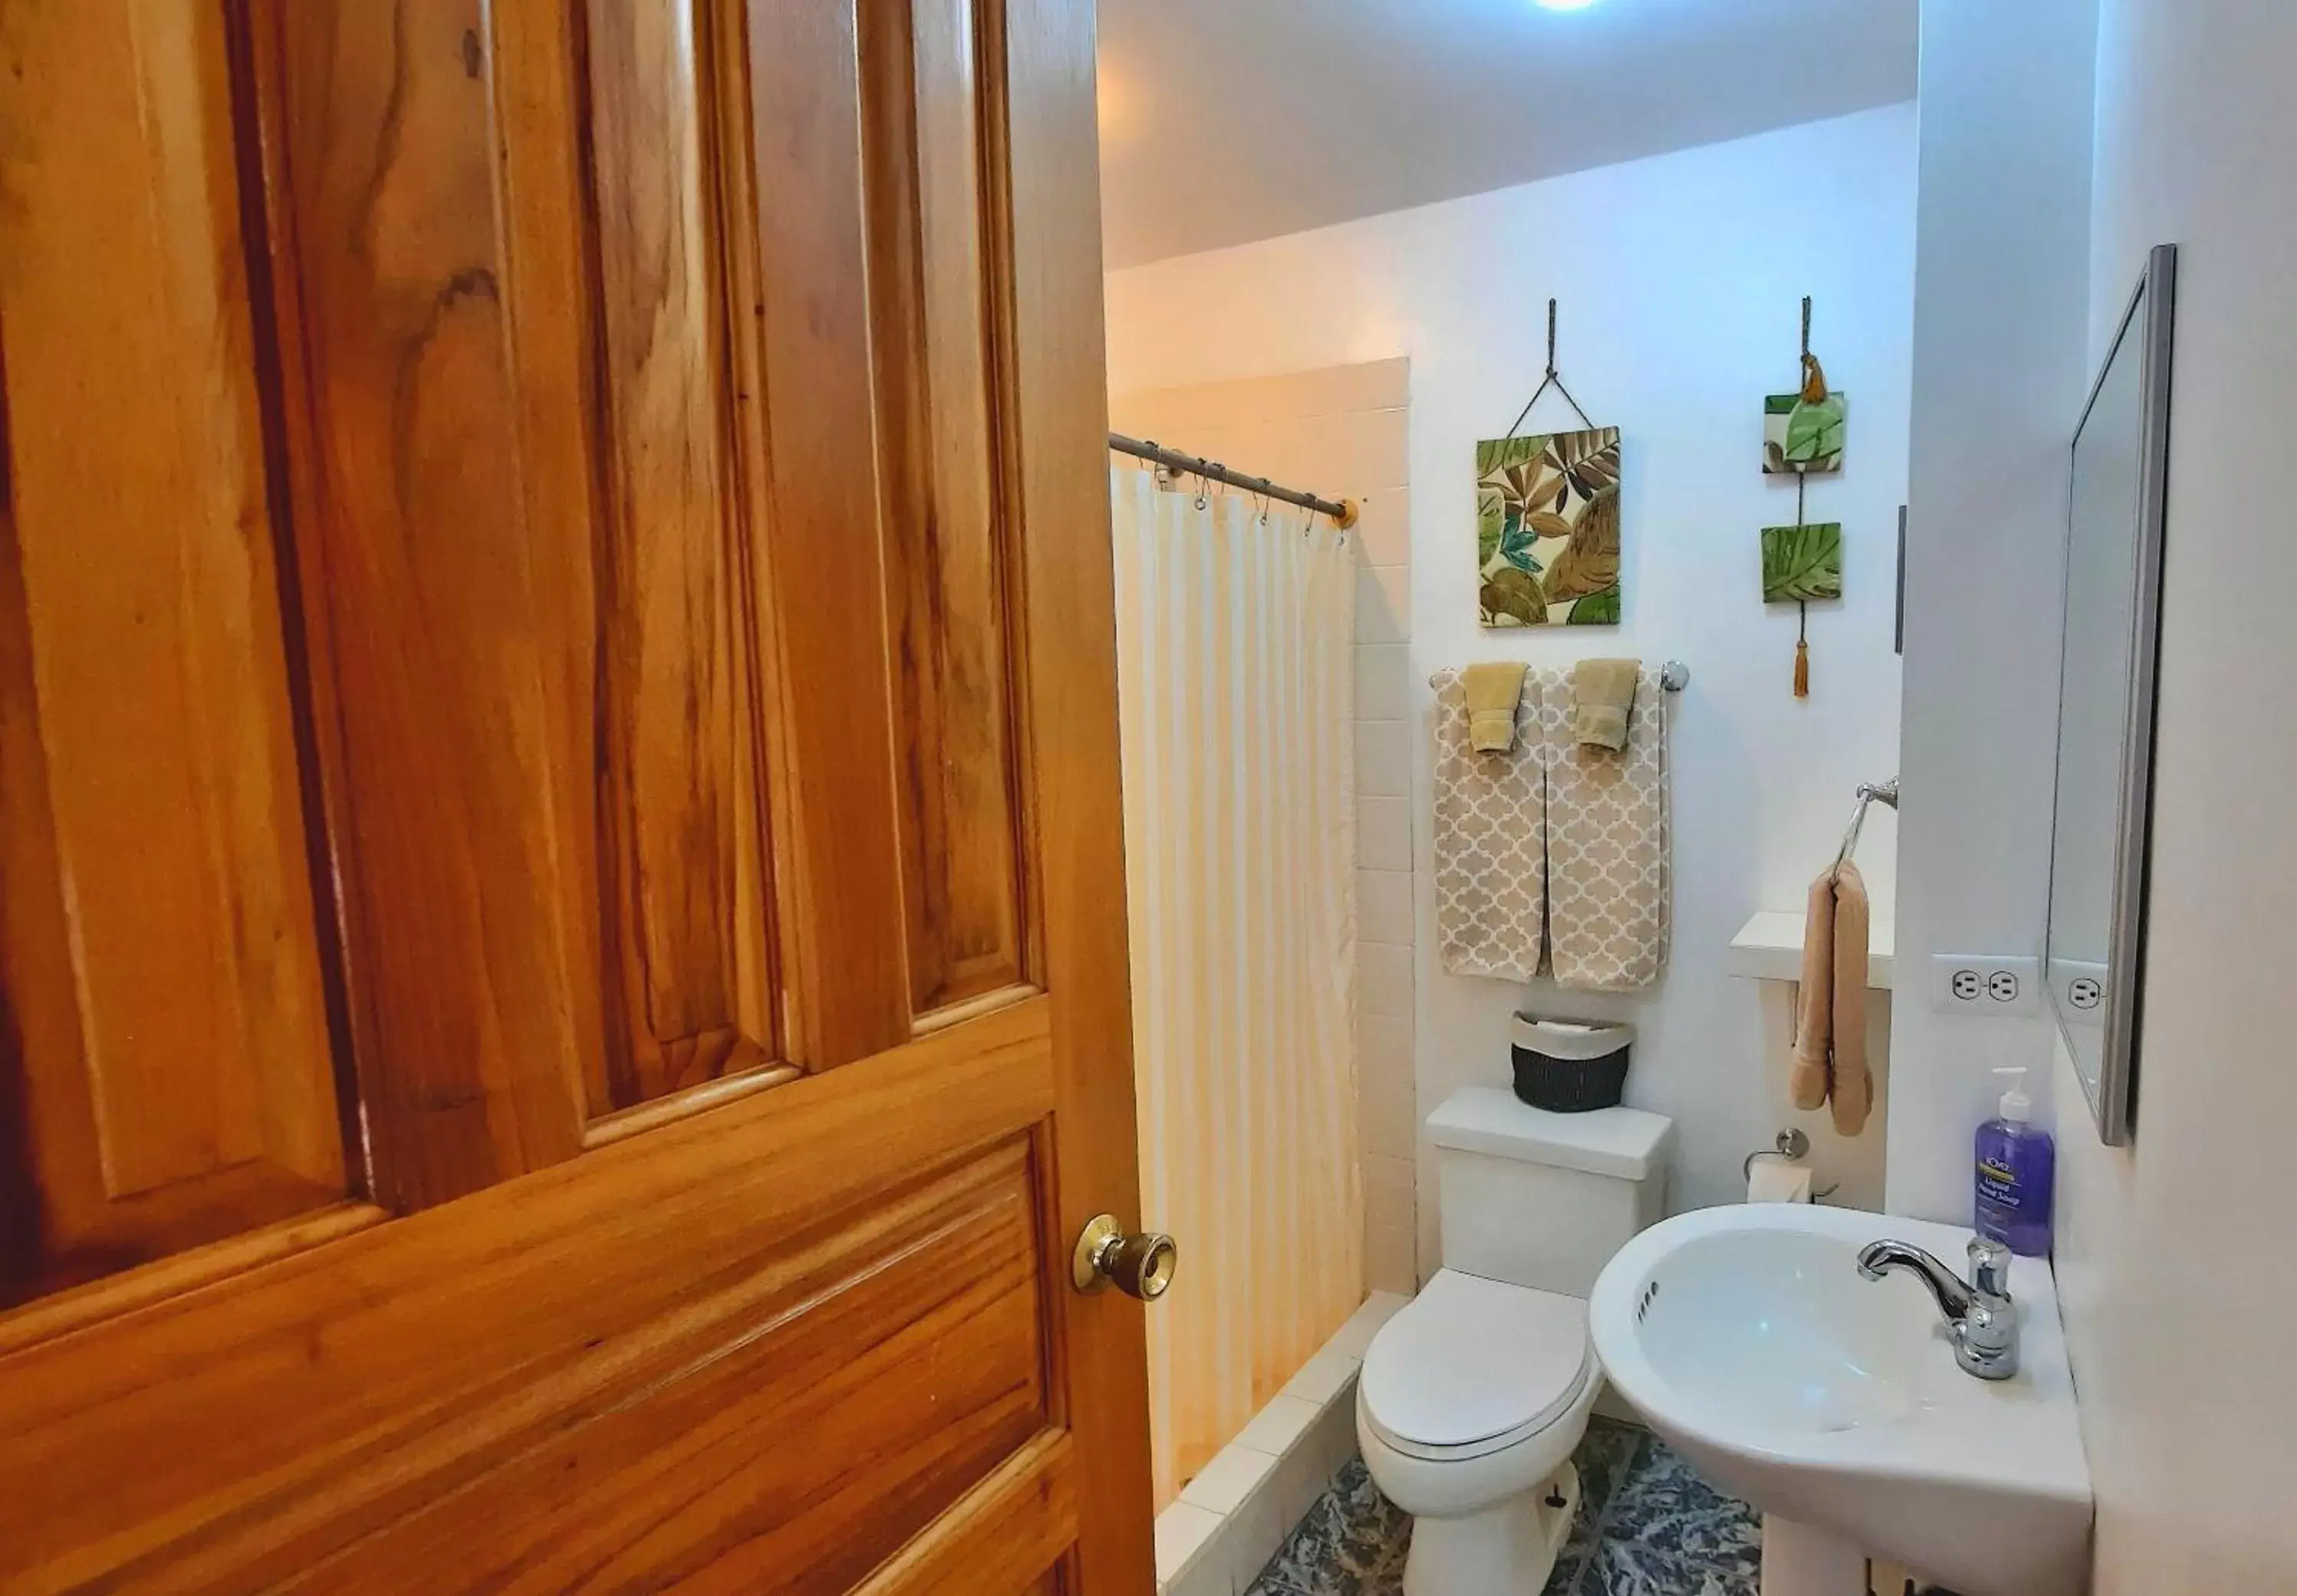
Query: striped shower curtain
x,y
1235,651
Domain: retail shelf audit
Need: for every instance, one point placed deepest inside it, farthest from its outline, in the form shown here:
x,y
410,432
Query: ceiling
x,y
1228,120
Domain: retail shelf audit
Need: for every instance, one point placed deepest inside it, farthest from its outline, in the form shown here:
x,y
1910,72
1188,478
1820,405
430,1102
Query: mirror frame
x,y
2113,1101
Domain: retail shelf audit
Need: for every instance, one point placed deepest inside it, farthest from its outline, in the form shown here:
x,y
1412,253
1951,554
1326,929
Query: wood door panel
x,y
790,1450
167,1057
1004,1535
680,812
1060,406
340,1391
934,88
639,597
423,576
803,274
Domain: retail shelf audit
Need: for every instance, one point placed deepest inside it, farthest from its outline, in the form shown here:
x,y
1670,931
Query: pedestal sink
x,y
1747,1338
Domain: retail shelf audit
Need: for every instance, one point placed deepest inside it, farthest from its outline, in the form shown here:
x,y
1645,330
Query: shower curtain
x,y
1235,638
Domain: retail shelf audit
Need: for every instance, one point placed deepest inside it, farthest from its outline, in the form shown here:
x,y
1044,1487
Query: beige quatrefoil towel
x,y
1552,854
1491,840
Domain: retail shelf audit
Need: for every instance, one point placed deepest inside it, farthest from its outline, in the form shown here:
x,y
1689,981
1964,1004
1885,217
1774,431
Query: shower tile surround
x,y
1343,432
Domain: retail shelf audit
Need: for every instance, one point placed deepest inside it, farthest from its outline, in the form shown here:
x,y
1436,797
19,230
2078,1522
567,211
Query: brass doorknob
x,y
1139,1266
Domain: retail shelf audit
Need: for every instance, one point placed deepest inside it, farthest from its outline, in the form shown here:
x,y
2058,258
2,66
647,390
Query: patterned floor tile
x,y
1648,1526
1665,1507
1352,1543
1627,1568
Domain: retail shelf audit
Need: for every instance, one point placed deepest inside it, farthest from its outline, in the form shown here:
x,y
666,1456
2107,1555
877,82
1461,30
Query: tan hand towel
x,y
1830,1061
1815,1015
1851,1085
1492,693
1603,695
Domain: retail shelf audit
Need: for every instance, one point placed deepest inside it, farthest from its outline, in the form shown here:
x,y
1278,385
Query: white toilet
x,y
1474,1397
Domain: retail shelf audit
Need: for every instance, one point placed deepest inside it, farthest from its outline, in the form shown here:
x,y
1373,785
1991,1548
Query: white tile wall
x,y
1343,432
1384,980
1383,681
1384,907
1383,759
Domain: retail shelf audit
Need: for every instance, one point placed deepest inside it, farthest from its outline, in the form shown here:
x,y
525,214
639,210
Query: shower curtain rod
x,y
1343,512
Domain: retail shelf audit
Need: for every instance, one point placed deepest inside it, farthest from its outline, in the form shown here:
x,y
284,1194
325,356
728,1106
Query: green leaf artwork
x,y
1547,529
1801,438
1802,562
1597,608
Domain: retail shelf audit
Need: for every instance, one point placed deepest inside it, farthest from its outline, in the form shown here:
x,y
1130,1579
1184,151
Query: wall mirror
x,y
2105,703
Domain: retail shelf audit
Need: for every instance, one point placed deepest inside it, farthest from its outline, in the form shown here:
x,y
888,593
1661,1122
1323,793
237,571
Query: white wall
x,y
2174,1255
1681,279
2001,291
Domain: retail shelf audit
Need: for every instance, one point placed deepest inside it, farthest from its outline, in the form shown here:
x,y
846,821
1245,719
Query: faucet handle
x,y
1989,1268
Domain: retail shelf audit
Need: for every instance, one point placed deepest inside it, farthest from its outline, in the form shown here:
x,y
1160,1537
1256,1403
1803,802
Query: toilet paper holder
x,y
1791,1144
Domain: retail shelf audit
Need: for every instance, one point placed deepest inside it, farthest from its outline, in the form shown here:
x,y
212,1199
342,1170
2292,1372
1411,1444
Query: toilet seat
x,y
1471,1367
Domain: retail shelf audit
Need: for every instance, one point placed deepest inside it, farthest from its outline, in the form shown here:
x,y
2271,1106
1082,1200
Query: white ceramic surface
x,y
1764,1357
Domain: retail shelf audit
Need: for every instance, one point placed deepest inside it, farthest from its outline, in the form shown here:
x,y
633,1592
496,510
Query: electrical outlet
x,y
1984,983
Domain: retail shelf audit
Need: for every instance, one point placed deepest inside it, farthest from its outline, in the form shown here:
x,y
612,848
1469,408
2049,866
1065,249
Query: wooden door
x,y
562,969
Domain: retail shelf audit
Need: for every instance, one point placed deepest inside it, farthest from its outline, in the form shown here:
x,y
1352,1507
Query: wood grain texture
x,y
681,805
423,576
810,427
583,1320
940,294
587,353
166,1060
796,1425
1005,1534
1058,389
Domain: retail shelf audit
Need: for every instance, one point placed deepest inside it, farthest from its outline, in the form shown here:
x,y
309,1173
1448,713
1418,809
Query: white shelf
x,y
1769,948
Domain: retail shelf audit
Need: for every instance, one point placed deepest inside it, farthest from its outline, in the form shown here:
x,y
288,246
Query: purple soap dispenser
x,y
2017,1164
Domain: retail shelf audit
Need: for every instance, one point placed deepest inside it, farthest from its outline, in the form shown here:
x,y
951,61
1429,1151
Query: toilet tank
x,y
1541,1199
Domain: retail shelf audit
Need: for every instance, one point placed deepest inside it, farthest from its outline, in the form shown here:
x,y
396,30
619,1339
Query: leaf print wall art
x,y
1802,562
1547,529
1802,437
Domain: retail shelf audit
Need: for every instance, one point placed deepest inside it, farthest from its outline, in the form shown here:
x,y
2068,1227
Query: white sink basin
x,y
1748,1339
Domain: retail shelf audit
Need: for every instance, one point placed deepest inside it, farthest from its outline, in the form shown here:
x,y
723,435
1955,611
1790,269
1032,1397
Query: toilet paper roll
x,y
1776,1181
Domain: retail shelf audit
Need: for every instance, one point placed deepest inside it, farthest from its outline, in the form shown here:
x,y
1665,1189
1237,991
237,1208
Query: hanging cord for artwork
x,y
1812,376
1551,380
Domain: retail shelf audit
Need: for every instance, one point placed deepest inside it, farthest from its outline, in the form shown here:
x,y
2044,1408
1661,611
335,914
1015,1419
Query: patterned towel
x,y
1491,839
1553,855
1609,845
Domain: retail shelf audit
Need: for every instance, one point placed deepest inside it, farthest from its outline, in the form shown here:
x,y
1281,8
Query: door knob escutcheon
x,y
1139,1265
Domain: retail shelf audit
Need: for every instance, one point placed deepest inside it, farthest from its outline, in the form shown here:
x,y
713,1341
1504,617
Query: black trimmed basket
x,y
1570,1066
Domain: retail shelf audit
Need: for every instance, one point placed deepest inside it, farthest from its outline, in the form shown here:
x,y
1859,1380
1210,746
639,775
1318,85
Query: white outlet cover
x,y
1985,984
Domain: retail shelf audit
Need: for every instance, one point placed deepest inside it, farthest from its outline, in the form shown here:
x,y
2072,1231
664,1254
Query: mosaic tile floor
x,y
1647,1526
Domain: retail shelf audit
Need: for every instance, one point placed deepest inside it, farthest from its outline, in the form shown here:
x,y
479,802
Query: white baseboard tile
x,y
1257,1488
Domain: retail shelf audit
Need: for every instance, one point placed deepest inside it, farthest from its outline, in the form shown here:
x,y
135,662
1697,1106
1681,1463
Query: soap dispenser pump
x,y
2017,1166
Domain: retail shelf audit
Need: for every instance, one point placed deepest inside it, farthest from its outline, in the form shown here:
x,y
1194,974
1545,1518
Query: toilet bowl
x,y
1473,1397
1471,1401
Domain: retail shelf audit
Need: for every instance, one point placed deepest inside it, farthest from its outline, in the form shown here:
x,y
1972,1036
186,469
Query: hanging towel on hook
x,y
1494,691
1610,866
1491,838
1830,1062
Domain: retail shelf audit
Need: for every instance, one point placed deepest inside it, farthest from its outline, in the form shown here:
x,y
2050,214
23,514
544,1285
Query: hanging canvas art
x,y
1802,437
1802,562
1547,529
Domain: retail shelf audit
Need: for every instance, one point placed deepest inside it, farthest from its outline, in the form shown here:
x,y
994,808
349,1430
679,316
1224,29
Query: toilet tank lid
x,y
1624,1142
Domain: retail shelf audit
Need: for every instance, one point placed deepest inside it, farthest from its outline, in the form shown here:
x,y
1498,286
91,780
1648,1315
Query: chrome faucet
x,y
1980,1314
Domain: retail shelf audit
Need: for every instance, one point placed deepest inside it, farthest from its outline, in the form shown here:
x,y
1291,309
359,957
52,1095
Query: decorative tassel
x,y
1802,668
1813,380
